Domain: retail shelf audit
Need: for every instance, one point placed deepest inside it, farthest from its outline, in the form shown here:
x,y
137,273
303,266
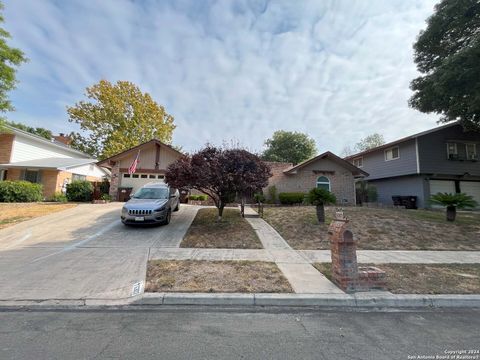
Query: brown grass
x,y
232,232
425,278
13,213
379,229
215,276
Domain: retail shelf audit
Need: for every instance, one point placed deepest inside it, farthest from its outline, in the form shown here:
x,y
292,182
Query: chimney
x,y
65,139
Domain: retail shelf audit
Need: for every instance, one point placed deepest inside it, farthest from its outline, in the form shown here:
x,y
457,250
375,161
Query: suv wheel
x,y
177,207
168,218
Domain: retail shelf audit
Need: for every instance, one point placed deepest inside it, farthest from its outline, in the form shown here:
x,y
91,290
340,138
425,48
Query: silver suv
x,y
152,203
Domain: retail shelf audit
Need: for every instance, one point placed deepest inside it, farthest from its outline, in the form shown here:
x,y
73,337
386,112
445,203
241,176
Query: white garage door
x,y
442,186
137,180
471,188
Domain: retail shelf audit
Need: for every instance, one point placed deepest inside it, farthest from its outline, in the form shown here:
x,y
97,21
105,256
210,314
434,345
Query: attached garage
x,y
153,159
442,186
471,188
137,180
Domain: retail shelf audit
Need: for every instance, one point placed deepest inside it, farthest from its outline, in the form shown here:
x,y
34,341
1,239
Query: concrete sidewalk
x,y
303,277
313,256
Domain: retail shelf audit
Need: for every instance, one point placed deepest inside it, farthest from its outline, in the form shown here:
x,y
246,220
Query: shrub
x,y
290,198
20,191
272,194
59,197
198,197
259,197
106,197
80,190
319,196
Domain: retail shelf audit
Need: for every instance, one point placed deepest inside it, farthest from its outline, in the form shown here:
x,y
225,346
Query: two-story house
x,y
443,159
52,163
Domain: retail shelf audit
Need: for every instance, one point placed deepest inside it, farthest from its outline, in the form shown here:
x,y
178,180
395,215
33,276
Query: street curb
x,y
358,300
377,299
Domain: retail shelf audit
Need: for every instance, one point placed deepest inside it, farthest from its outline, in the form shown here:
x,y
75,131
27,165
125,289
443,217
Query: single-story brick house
x,y
52,163
153,159
326,170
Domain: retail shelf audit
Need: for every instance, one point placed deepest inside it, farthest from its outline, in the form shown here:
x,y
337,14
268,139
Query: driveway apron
x,y
81,253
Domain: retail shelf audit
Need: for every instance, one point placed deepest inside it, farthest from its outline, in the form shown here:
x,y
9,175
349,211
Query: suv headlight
x,y
160,208
124,210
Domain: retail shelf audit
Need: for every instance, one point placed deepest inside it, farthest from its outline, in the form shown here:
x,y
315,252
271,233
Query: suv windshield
x,y
151,193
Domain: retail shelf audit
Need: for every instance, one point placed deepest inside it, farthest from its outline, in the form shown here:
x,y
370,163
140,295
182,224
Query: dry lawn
x,y
426,278
232,232
215,276
379,229
12,213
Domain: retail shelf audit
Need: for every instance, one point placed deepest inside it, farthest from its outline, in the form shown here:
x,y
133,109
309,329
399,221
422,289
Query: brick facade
x,y
341,179
6,144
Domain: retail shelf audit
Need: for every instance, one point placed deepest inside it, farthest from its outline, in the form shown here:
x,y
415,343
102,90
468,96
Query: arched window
x,y
323,183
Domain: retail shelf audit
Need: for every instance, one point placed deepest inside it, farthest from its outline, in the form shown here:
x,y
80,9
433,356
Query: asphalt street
x,y
234,333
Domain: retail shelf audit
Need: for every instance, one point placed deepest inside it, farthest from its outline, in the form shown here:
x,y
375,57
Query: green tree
x,y
447,53
369,142
452,202
118,117
10,58
287,146
47,134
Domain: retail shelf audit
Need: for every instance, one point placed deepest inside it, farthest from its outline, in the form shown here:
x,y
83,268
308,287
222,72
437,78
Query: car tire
x,y
167,218
177,207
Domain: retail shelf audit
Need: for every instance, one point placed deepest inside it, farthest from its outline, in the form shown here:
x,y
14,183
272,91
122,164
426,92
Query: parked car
x,y
152,203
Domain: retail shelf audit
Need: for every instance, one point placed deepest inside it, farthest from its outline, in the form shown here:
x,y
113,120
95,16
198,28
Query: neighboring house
x,y
326,170
444,159
153,159
52,163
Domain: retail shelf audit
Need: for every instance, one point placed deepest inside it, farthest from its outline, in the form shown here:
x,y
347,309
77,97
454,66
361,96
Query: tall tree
x,y
118,117
219,173
369,142
447,53
10,59
287,146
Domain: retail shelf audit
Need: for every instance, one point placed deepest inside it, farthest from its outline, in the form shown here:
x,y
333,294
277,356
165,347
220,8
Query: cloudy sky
x,y
337,70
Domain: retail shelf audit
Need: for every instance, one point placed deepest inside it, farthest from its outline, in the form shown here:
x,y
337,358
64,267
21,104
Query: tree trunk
x,y
321,214
242,207
220,210
451,213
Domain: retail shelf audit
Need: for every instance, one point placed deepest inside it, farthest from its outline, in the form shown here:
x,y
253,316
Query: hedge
x,y
79,190
198,197
20,191
290,198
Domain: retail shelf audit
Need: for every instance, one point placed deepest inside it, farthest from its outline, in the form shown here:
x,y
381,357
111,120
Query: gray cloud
x,y
338,70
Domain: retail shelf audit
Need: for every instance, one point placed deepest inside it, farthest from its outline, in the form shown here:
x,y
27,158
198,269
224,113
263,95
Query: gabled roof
x,y
51,163
53,142
395,142
106,162
355,170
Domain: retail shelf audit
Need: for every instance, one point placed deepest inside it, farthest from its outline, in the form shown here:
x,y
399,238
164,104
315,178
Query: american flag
x,y
133,167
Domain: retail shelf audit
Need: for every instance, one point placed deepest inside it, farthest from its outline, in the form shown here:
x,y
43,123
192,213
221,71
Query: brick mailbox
x,y
345,271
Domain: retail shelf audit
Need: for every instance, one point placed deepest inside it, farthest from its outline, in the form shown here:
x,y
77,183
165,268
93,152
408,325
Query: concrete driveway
x,y
81,253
